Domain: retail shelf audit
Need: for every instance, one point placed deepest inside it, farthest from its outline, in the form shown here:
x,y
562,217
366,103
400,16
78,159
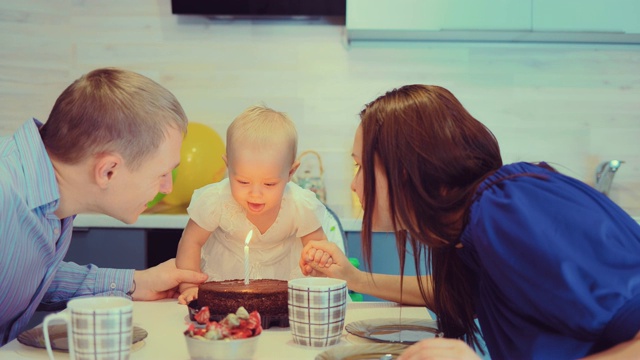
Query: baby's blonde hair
x,y
262,126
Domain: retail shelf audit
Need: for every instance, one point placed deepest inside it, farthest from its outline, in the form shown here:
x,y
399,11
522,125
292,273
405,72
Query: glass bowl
x,y
225,349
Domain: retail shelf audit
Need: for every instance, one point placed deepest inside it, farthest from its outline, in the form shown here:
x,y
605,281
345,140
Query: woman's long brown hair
x,y
434,155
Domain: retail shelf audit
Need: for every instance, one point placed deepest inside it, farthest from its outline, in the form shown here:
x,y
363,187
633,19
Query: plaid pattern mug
x,y
317,308
98,328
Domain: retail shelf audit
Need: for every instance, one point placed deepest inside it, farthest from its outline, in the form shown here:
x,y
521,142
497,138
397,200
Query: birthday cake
x,y
267,296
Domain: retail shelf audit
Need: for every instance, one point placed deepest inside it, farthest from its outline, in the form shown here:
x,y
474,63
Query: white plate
x,y
362,352
58,337
405,331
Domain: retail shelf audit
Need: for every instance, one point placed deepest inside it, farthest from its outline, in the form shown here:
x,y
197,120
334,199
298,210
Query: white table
x,y
165,321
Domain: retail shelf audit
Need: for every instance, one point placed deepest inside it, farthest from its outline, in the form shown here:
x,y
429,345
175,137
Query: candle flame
x,y
249,235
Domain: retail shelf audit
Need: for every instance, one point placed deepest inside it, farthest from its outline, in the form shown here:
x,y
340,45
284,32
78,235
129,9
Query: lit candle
x,y
246,257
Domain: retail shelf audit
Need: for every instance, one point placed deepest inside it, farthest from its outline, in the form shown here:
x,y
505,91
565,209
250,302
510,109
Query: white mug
x,y
97,328
317,308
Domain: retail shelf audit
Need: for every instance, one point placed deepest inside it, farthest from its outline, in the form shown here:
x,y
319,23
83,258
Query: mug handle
x,y
45,327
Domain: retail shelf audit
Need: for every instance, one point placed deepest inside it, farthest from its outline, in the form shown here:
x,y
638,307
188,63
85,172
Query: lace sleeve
x,y
205,206
311,210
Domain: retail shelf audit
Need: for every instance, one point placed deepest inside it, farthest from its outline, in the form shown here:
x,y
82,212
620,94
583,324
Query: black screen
x,y
260,7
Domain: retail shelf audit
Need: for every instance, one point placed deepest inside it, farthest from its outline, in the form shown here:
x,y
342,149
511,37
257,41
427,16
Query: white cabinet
x,y
616,21
433,19
411,15
621,16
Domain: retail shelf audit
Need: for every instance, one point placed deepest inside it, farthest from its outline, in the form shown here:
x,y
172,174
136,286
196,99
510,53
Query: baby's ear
x,y
294,167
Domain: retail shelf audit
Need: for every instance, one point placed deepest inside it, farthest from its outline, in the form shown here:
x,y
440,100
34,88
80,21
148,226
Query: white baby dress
x,y
272,255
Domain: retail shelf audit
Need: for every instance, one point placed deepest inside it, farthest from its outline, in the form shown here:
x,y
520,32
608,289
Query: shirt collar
x,y
38,169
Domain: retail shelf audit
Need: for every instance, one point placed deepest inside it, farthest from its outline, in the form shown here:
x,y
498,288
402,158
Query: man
x,y
109,146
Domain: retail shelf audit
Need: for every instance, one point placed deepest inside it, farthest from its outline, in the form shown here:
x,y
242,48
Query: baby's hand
x,y
320,257
188,295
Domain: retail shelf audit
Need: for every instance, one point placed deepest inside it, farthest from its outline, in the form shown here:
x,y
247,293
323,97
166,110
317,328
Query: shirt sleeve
x,y
73,280
310,210
556,253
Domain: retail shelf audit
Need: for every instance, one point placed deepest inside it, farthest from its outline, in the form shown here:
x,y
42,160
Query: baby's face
x,y
258,177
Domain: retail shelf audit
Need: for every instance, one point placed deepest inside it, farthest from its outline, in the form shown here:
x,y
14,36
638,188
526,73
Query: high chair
x,y
335,233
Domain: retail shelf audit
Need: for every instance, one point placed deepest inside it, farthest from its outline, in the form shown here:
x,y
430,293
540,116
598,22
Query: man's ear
x,y
294,167
106,168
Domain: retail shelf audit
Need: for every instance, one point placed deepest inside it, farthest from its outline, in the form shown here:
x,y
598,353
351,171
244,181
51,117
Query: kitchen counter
x,y
160,217
163,216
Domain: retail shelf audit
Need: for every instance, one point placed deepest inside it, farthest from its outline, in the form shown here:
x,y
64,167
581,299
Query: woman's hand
x,y
439,348
162,280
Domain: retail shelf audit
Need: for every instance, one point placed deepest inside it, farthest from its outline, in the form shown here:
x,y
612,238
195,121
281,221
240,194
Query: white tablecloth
x,y
165,321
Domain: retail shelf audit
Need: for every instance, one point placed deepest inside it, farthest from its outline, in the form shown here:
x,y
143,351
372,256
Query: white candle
x,y
246,257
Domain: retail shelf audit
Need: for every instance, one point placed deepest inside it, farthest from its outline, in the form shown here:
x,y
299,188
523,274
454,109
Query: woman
x,y
549,266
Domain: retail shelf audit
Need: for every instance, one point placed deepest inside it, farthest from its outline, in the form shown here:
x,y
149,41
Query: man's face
x,y
130,192
258,177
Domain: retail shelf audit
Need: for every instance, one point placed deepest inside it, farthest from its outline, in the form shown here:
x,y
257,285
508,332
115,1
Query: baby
x,y
258,196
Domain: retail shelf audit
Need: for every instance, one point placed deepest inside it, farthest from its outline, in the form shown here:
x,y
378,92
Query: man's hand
x,y
161,281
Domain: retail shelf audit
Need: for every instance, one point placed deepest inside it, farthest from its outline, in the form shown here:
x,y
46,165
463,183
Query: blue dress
x,y
557,266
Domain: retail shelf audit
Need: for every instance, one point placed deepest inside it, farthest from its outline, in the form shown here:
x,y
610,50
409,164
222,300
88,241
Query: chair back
x,y
334,231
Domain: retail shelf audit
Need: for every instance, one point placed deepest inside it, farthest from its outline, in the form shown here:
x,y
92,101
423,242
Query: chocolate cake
x,y
267,296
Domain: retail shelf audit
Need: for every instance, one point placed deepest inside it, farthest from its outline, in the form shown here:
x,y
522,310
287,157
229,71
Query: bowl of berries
x,y
233,338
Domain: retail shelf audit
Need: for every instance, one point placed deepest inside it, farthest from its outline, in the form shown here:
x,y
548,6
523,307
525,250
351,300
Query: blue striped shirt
x,y
33,241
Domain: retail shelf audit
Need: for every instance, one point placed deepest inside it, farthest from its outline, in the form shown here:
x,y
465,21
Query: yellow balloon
x,y
200,163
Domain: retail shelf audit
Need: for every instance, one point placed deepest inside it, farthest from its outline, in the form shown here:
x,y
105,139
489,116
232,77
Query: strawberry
x,y
254,320
235,326
203,316
238,333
